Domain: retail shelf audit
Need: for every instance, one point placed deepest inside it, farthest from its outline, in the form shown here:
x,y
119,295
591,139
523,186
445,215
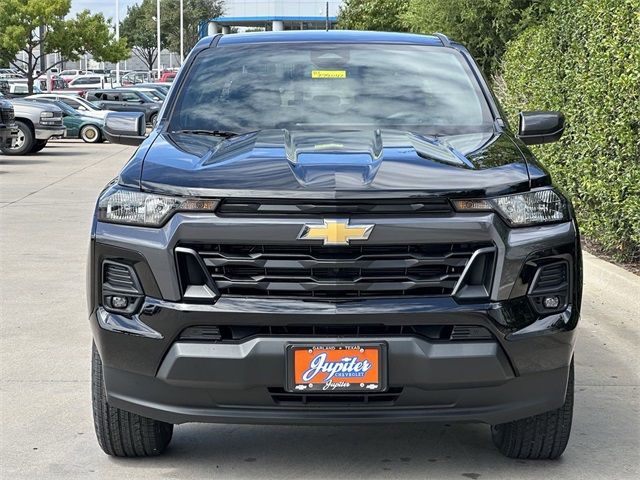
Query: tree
x,y
139,28
384,15
194,12
20,22
483,26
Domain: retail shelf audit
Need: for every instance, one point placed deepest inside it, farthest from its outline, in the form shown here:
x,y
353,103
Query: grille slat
x,y
289,208
336,272
119,278
551,278
281,396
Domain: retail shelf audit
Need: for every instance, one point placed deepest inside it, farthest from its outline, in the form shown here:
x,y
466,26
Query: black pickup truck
x,y
8,131
333,227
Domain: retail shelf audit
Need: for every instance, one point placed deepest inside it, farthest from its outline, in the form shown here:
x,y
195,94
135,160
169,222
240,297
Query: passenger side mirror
x,y
126,128
540,127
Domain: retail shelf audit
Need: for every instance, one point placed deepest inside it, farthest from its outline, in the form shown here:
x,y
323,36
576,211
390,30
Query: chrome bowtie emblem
x,y
335,232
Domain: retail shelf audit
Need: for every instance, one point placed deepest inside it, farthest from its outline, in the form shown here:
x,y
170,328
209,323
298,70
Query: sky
x,y
107,7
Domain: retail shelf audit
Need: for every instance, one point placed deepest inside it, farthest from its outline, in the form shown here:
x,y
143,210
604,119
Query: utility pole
x,y
181,32
118,38
327,16
158,34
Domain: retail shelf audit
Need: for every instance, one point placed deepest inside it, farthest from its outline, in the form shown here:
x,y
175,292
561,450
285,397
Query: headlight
x,y
46,115
522,209
146,209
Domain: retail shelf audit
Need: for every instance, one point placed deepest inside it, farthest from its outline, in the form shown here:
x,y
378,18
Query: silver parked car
x,y
36,123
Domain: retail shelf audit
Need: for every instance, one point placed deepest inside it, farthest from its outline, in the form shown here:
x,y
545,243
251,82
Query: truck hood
x,y
342,164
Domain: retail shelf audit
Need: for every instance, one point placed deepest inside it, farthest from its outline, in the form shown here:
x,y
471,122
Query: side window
x,y
71,103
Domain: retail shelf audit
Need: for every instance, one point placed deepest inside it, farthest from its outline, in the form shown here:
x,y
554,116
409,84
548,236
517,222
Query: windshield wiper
x,y
214,133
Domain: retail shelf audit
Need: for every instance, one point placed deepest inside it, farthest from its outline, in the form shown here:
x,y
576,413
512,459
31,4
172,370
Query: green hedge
x,y
584,59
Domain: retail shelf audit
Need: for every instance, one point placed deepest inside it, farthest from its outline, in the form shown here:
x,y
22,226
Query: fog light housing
x,y
119,302
551,302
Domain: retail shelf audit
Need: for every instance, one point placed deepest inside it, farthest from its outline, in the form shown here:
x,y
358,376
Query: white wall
x,y
277,8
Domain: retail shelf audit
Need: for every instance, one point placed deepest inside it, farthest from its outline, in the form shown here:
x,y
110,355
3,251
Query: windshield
x,y
89,105
145,96
65,108
155,95
267,86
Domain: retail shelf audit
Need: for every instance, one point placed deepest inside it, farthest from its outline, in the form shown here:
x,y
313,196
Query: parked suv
x,y
36,124
333,227
127,100
8,130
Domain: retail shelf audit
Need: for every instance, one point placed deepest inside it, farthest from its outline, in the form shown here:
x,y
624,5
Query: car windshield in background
x,y
155,95
66,108
145,96
245,88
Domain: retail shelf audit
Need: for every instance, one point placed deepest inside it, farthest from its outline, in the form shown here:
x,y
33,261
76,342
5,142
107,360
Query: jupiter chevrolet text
x,y
333,228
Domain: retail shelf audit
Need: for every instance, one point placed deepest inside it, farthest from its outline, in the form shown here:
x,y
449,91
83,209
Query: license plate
x,y
334,368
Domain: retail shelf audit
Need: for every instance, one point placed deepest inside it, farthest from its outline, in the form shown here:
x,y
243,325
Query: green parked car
x,y
89,129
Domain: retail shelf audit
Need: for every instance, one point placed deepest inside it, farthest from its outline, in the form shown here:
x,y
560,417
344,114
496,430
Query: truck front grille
x,y
7,115
351,208
335,272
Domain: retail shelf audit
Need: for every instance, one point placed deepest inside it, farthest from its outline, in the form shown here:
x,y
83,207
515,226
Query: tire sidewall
x,y
87,128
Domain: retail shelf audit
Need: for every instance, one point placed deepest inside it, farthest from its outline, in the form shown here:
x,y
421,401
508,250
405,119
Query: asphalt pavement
x,y
46,429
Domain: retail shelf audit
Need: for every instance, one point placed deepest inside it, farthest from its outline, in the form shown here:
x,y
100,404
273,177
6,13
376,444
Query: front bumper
x,y
522,370
45,132
206,382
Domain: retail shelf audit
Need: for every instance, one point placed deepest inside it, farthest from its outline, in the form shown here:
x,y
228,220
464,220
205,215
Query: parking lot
x,y
46,429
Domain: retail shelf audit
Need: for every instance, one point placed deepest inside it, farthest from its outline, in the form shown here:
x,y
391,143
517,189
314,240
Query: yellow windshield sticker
x,y
328,74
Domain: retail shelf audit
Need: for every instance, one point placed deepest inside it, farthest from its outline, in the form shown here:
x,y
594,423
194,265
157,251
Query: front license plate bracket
x,y
336,367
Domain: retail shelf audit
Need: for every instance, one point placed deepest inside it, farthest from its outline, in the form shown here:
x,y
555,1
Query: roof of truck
x,y
333,36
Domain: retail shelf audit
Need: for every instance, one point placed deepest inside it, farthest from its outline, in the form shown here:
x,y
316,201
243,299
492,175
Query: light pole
x,y
158,35
181,32
118,38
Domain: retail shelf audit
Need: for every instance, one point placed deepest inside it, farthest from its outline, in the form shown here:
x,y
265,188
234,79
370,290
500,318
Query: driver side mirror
x,y
539,127
126,128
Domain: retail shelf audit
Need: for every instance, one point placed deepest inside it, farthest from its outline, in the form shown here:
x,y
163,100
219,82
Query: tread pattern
x,y
121,433
543,436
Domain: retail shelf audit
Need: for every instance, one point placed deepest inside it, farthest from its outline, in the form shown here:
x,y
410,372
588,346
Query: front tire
x,y
38,145
24,143
121,433
543,436
90,134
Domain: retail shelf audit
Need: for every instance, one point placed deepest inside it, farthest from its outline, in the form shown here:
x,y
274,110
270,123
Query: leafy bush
x,y
483,26
584,59
383,15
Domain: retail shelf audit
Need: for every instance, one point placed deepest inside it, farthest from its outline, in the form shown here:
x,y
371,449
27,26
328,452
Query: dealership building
x,y
273,15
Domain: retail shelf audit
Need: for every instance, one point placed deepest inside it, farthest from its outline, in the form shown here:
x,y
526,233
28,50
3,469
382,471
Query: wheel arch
x,y
28,122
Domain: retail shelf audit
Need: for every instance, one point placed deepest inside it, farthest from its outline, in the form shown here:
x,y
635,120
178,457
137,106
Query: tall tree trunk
x,y
31,65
